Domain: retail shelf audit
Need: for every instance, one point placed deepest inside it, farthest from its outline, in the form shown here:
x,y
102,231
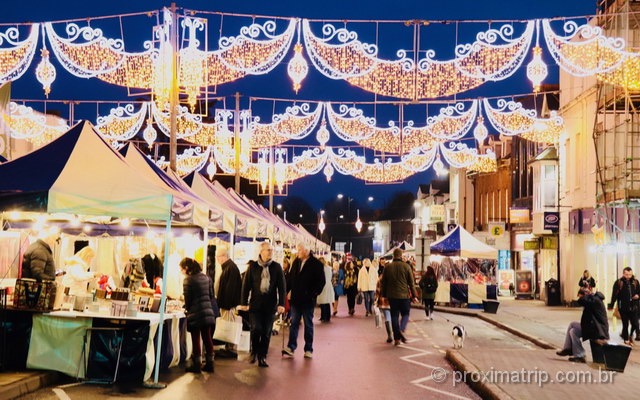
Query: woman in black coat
x,y
201,309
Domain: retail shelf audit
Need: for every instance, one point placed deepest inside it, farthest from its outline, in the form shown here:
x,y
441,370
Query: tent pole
x,y
163,301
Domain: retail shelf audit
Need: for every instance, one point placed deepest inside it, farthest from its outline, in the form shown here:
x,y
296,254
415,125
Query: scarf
x,y
265,277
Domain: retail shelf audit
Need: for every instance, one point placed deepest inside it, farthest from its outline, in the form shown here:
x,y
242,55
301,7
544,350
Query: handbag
x,y
245,341
359,298
228,328
34,295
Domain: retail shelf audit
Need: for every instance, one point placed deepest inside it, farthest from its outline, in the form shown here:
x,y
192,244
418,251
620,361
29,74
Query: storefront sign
x,y
519,215
436,213
524,282
531,244
550,242
496,228
552,221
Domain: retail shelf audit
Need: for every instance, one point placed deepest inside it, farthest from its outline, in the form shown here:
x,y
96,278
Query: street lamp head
x,y
340,195
279,206
321,212
341,216
370,198
417,204
300,215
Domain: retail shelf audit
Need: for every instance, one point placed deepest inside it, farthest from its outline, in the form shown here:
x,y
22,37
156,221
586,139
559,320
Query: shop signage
x,y
496,228
550,242
519,215
531,244
552,221
436,213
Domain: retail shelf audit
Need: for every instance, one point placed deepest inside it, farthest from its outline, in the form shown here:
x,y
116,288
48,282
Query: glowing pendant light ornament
x,y
323,134
321,225
150,134
211,168
480,132
537,69
45,72
358,222
438,166
280,171
328,172
298,67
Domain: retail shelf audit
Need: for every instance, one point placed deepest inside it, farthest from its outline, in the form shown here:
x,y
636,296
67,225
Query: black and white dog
x,y
458,334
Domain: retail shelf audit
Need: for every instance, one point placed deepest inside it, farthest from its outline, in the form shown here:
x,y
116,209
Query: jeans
x,y
261,327
399,307
368,301
573,340
206,333
306,313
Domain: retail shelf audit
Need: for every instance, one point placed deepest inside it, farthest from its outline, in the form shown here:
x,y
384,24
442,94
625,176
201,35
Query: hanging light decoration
x,y
211,168
439,167
323,134
480,132
328,172
298,67
280,170
263,169
537,69
162,66
358,222
150,134
192,63
45,72
321,225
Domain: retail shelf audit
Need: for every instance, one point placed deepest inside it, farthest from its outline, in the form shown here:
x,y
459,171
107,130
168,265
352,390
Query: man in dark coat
x,y
626,292
37,262
229,290
593,325
264,283
307,281
397,284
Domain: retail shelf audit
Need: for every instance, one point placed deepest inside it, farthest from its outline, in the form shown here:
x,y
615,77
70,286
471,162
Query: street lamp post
x,y
349,200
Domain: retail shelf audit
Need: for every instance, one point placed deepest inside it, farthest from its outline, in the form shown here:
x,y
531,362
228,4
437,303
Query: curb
x,y
30,384
486,390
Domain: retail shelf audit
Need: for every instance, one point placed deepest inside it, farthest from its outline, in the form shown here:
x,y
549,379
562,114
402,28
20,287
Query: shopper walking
x,y
351,285
202,310
307,282
626,292
367,280
229,291
397,285
428,285
327,296
263,293
337,280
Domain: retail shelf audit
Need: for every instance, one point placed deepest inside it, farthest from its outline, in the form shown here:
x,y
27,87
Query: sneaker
x,y
582,360
564,352
287,352
308,354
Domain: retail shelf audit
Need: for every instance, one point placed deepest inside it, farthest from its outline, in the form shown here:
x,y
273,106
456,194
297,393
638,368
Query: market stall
x,y
467,265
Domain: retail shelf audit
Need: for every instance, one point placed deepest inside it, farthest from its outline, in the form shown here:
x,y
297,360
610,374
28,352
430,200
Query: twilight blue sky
x,y
392,37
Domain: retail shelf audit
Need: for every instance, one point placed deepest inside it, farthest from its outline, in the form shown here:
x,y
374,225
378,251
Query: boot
x,y
195,366
387,325
208,365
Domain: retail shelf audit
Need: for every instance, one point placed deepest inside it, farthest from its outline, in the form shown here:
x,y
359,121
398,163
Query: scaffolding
x,y
616,137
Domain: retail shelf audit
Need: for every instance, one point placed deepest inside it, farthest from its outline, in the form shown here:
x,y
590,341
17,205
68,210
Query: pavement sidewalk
x,y
16,384
539,373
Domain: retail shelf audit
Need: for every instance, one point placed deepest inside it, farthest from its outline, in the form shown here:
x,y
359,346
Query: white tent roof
x,y
459,242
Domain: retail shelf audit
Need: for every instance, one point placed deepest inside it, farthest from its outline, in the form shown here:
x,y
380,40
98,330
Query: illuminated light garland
x,y
97,55
15,60
350,124
418,160
585,51
162,80
122,123
357,62
346,162
509,118
452,123
458,155
485,59
311,161
45,72
297,122
627,75
192,159
211,168
537,69
188,125
484,163
35,127
248,54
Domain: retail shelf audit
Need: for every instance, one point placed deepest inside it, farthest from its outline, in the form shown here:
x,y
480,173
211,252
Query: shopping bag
x,y
377,317
245,341
359,298
228,328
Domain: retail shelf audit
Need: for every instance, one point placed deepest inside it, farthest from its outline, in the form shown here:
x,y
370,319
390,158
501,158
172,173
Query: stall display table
x,y
58,342
470,294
